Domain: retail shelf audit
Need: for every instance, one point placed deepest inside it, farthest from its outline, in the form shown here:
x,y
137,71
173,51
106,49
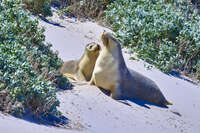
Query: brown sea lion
x,y
112,74
81,70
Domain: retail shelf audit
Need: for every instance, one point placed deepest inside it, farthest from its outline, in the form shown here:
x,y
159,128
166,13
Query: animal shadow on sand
x,y
180,76
142,103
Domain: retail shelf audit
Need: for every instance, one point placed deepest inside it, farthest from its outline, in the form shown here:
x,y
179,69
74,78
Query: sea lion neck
x,y
113,46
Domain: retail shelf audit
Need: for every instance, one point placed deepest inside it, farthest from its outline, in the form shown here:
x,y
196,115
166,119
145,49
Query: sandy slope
x,y
101,114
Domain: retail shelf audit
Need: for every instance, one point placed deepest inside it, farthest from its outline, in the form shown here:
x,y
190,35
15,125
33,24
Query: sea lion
x,y
81,70
111,73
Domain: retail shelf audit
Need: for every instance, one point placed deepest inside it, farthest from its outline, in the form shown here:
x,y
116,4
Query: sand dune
x,y
97,112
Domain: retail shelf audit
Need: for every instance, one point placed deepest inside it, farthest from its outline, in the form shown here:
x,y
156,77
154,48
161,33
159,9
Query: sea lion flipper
x,y
168,103
80,76
115,92
91,81
69,75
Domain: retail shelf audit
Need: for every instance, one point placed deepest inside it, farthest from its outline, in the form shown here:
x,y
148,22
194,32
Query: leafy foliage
x,y
28,68
38,7
166,35
92,9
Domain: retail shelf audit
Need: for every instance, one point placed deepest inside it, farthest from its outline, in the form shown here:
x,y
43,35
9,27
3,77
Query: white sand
x,y
101,114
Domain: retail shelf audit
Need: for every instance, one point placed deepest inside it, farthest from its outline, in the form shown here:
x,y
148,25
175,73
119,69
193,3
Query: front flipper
x,y
92,81
115,92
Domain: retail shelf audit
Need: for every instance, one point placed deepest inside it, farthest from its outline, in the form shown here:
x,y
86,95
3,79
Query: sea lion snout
x,y
98,47
104,38
93,47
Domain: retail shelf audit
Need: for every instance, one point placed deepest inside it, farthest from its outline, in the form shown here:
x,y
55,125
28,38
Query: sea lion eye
x,y
90,47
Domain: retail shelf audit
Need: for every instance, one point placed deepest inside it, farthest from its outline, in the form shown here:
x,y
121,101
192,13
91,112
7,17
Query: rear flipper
x,y
168,103
69,75
164,103
72,80
80,76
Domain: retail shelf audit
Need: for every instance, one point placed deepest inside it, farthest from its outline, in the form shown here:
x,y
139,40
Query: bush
x,y
38,7
91,9
60,3
28,68
166,35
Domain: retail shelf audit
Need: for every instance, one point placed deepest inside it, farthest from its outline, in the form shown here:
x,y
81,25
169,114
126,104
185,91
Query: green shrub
x,y
166,35
28,68
92,9
38,7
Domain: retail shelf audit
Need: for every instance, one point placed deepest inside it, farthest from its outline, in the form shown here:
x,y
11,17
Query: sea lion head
x,y
93,48
109,41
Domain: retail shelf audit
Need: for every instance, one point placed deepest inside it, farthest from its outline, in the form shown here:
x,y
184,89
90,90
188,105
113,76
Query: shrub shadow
x,y
180,76
56,5
49,120
52,23
60,88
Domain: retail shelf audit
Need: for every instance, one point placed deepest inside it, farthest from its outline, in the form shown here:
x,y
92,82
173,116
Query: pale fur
x,y
112,74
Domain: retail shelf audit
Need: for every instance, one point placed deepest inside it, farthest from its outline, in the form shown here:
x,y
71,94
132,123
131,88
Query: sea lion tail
x,y
168,103
69,75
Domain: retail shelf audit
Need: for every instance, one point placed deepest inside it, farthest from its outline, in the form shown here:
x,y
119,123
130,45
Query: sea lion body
x,y
109,67
111,73
137,86
102,74
81,70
